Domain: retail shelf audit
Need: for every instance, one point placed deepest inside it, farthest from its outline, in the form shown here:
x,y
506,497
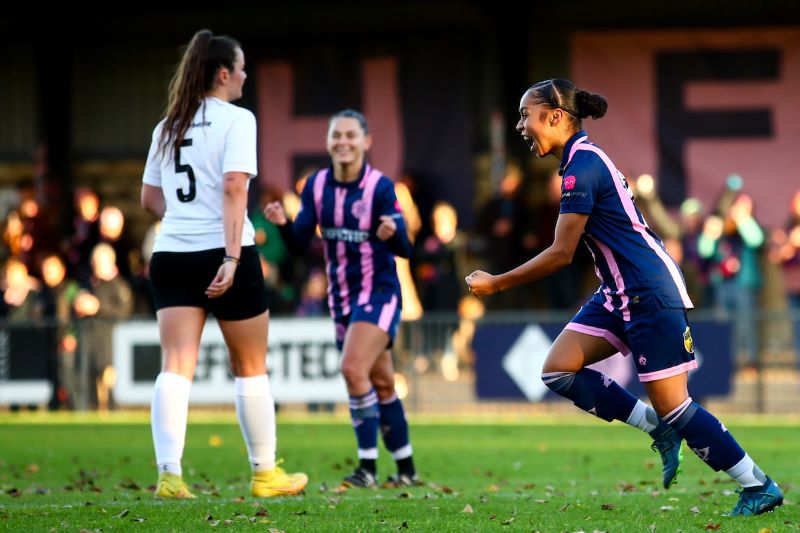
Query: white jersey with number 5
x,y
221,139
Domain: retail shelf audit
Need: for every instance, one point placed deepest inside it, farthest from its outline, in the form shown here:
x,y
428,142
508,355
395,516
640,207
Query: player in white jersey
x,y
202,157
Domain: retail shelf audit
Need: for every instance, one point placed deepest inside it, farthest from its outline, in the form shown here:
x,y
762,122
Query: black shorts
x,y
180,279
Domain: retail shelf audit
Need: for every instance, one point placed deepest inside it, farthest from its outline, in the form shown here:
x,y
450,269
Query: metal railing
x,y
436,359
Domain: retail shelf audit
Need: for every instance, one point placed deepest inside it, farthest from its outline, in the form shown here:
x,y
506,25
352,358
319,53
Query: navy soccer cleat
x,y
361,478
667,443
758,500
402,480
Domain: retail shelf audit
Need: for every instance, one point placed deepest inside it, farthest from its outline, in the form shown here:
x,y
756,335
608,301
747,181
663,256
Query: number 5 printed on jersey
x,y
182,196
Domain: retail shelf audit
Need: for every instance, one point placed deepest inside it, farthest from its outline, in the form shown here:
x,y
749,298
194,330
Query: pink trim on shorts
x,y
668,372
387,314
600,332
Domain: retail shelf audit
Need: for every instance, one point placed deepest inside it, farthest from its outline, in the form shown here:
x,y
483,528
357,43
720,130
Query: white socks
x,y
643,417
255,410
747,473
168,413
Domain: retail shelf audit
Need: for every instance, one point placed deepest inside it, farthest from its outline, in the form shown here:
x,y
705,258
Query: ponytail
x,y
194,77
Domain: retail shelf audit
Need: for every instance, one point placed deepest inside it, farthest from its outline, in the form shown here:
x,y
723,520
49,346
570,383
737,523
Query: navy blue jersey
x,y
629,257
360,267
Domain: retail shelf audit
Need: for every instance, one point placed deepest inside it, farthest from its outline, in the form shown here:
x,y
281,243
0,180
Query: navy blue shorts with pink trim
x,y
381,310
658,337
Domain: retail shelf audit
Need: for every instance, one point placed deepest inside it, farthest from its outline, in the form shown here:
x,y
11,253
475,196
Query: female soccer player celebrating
x,y
201,159
639,309
359,218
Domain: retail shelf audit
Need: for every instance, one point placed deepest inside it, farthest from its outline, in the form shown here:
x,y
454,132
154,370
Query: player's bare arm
x,y
569,229
152,200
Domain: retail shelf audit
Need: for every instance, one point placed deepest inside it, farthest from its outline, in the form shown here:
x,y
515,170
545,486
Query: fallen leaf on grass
x,y
765,530
694,510
624,486
123,514
607,506
262,511
666,508
563,507
138,519
467,509
129,484
508,522
493,488
713,527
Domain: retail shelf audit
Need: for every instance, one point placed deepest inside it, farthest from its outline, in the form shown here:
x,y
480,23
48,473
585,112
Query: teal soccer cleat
x,y
667,442
758,500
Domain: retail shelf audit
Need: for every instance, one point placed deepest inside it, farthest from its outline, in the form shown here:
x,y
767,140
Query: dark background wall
x,y
82,91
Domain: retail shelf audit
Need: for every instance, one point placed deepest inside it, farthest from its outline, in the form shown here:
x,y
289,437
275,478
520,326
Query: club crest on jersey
x,y
569,182
359,208
688,343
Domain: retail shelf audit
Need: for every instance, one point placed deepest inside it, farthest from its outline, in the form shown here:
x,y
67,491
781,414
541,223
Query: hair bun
x,y
590,104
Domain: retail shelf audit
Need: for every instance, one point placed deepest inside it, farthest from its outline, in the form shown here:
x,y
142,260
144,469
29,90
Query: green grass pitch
x,y
89,473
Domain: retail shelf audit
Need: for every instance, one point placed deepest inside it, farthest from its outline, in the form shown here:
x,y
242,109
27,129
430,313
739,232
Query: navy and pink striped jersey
x,y
629,257
360,267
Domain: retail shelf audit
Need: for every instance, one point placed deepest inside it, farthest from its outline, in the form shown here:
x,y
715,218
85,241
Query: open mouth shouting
x,y
529,141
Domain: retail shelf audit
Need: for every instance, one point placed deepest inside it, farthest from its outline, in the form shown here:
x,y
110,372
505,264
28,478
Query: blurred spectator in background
x,y
85,235
109,301
112,223
436,259
680,237
313,296
268,238
694,266
785,251
139,263
506,225
412,308
280,295
20,302
562,289
732,242
58,296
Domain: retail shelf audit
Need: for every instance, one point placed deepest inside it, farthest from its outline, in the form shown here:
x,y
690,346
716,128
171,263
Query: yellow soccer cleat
x,y
172,486
277,482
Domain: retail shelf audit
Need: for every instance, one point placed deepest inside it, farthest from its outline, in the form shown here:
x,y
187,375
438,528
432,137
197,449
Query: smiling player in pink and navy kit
x,y
639,309
359,218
